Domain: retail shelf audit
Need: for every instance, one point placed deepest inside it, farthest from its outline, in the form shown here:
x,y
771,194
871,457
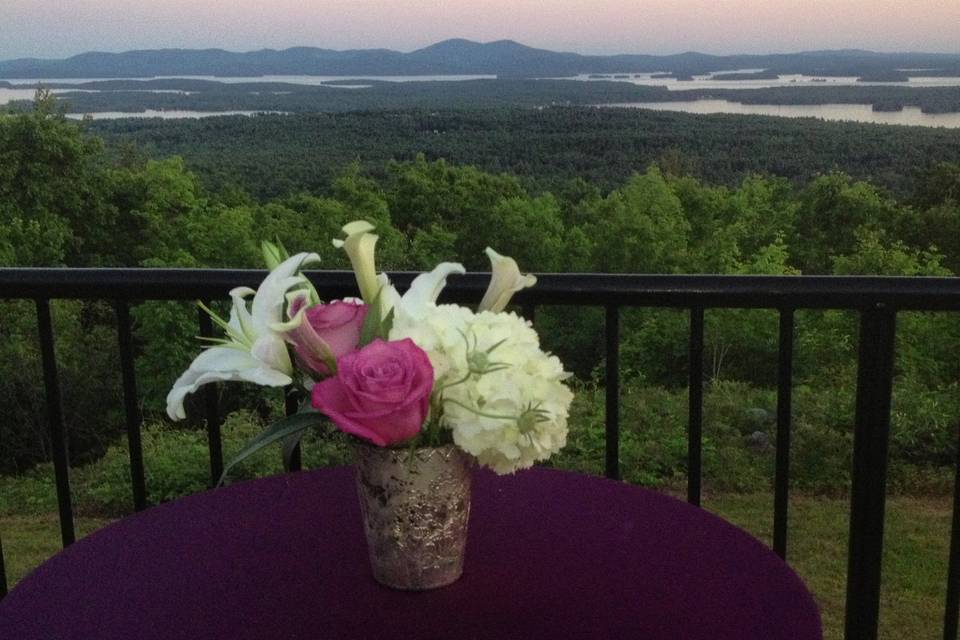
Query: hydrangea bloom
x,y
502,396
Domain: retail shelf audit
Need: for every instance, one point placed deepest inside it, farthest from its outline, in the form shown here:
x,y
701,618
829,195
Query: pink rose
x,y
324,332
381,393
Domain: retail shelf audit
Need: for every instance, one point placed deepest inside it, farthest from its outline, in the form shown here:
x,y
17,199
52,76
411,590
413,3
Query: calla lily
x,y
424,289
252,351
359,245
505,281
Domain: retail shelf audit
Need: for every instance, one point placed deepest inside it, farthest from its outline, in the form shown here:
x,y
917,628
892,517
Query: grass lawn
x,y
916,550
914,572
28,540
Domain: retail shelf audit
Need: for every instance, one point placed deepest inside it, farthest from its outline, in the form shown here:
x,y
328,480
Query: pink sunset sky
x,y
57,28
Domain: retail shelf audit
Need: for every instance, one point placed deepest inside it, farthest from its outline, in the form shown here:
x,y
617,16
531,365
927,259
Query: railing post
x,y
868,491
212,411
612,405
952,611
695,408
784,394
131,406
58,435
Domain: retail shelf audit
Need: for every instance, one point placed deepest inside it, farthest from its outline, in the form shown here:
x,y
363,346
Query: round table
x,y
550,554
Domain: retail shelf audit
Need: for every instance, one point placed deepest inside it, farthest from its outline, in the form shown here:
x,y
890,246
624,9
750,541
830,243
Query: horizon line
x,y
491,42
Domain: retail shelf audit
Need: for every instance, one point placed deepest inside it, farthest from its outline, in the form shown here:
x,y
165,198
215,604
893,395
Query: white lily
x,y
417,316
359,245
423,291
252,351
505,281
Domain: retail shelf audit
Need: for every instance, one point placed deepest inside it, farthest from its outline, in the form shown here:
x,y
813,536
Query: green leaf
x,y
386,326
371,323
276,431
289,446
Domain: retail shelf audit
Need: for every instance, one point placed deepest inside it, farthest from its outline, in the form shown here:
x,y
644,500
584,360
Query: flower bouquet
x,y
425,389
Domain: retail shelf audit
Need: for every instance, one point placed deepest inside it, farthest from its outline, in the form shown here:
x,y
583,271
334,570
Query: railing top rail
x,y
732,291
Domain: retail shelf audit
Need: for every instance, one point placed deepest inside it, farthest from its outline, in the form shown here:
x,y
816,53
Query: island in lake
x,y
891,75
750,75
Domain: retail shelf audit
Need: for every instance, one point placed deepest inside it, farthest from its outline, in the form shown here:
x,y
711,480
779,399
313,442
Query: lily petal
x,y
220,363
426,287
389,298
357,226
311,348
296,300
271,351
270,296
240,318
505,281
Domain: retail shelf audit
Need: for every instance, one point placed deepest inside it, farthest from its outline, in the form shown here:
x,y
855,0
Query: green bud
x,y
273,254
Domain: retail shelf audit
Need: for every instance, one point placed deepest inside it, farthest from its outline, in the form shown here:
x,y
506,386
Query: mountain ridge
x,y
455,56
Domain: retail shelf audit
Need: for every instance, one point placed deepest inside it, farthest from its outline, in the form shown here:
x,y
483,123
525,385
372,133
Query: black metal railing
x,y
876,299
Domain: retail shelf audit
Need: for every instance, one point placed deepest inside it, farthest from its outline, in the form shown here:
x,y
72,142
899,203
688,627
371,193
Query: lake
x,y
166,114
839,112
9,95
304,80
703,81
791,80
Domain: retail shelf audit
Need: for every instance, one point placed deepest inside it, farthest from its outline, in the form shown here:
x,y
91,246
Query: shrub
x,y
177,463
739,438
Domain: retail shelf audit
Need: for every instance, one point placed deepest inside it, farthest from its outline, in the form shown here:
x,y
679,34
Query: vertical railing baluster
x,y
612,405
868,491
3,573
131,406
695,409
58,435
212,410
291,403
952,611
784,397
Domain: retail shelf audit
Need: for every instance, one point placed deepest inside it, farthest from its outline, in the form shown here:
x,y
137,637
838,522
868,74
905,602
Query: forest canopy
x,y
273,155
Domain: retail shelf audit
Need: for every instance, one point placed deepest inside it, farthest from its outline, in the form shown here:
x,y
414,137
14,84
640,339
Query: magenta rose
x,y
381,393
325,332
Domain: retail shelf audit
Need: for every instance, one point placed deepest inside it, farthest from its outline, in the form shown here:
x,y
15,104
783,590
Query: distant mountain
x,y
457,56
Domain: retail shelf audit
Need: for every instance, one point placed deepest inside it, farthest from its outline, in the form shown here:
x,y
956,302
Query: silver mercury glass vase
x,y
415,504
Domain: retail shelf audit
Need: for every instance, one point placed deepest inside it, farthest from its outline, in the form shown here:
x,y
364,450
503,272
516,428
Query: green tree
x,y
640,228
50,187
832,209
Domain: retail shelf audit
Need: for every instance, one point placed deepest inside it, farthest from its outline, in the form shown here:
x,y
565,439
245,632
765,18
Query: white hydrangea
x,y
438,330
502,396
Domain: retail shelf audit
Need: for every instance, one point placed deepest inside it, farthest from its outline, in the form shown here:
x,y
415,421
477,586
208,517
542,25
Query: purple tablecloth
x,y
550,555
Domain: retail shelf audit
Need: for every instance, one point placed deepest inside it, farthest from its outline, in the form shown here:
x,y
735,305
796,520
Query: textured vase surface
x,y
415,504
